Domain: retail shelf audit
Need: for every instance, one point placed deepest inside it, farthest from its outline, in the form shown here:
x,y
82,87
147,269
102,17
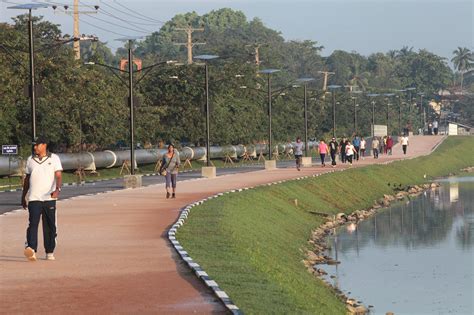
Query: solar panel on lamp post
x,y
206,59
333,88
31,88
269,73
305,82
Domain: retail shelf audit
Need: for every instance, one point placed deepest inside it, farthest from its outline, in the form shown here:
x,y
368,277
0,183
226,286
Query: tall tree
x,y
463,61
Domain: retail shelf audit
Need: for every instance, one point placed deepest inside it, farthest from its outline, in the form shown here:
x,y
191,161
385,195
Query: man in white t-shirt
x,y
404,142
41,189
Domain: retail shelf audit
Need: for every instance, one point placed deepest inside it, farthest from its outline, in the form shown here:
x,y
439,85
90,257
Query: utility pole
x,y
256,52
257,55
75,14
189,43
326,74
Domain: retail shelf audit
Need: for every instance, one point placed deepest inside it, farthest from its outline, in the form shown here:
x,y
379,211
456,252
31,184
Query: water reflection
x,y
416,257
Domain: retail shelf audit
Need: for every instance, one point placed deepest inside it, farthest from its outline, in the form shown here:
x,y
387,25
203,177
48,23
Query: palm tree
x,y
463,61
359,78
405,51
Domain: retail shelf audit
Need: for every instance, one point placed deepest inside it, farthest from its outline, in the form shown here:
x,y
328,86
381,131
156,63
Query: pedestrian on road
x,y
404,142
389,145
41,189
375,147
363,145
342,149
170,165
435,127
356,143
430,128
383,145
323,150
333,150
298,152
350,152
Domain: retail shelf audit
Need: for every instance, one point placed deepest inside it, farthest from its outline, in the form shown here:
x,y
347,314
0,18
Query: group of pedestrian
x,y
348,150
433,128
385,145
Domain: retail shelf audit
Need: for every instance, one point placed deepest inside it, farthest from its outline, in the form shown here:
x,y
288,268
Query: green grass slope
x,y
252,243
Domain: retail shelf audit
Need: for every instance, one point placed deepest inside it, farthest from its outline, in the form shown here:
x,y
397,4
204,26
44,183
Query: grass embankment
x,y
252,243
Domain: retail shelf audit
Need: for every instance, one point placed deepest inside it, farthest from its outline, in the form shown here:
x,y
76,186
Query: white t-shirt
x,y
362,144
404,141
349,150
435,124
42,176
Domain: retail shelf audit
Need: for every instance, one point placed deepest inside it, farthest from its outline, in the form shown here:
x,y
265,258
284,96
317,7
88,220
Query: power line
x,y
118,25
132,22
123,20
140,14
103,29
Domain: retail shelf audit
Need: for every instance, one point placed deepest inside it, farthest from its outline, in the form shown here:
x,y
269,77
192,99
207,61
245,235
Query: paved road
x,y
11,200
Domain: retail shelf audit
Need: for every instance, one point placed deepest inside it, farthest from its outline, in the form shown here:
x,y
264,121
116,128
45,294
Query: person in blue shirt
x,y
356,144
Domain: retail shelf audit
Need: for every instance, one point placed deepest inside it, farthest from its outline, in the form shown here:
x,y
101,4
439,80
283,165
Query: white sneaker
x,y
50,256
30,254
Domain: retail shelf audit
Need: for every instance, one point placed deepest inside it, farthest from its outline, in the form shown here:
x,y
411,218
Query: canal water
x,y
415,257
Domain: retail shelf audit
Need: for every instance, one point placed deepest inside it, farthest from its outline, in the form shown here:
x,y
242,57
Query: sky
x,y
365,26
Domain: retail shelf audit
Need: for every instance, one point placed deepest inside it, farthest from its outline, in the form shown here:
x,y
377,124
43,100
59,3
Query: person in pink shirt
x,y
323,150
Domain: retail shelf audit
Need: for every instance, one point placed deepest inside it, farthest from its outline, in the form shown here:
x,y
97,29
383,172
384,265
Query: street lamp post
x,y
206,59
373,112
305,82
354,99
130,100
130,104
400,111
269,73
422,111
31,88
333,88
130,84
387,119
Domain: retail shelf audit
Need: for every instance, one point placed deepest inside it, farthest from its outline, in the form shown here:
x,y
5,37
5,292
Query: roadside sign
x,y
380,130
9,149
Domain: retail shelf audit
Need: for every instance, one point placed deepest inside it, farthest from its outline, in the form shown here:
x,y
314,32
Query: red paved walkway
x,y
113,256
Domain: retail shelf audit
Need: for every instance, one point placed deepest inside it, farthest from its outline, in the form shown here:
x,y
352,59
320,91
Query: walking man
x,y
41,189
333,151
375,147
298,153
435,127
342,149
404,142
356,143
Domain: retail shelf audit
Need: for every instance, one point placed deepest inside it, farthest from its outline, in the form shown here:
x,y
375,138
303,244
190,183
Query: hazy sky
x,y
365,26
